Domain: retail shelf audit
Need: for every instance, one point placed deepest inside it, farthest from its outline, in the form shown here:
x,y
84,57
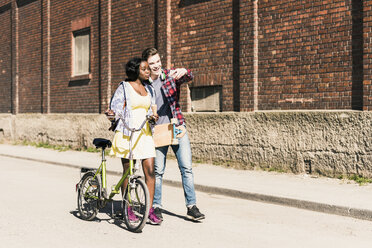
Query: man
x,y
166,84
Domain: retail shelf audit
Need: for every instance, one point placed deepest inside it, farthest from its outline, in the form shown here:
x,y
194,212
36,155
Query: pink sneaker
x,y
131,215
153,219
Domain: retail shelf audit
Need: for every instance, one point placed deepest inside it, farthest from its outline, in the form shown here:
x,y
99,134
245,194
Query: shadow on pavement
x,y
173,214
113,212
179,216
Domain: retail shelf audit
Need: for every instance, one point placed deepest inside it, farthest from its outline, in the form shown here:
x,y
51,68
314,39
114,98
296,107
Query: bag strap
x,y
125,97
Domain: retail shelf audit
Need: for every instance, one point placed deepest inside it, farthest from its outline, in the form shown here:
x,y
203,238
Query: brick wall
x,y
310,54
5,58
367,83
202,41
68,95
29,36
132,29
246,56
305,56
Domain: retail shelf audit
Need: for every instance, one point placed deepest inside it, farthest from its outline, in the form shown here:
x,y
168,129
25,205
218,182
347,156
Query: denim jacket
x,y
117,103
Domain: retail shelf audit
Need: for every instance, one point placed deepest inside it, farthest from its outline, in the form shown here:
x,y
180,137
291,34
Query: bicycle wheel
x,y
136,205
88,196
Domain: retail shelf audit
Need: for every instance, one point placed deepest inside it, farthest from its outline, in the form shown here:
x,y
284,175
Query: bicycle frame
x,y
128,173
102,172
92,193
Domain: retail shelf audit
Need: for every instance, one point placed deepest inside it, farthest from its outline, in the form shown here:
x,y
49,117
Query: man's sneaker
x,y
194,214
132,216
157,212
153,219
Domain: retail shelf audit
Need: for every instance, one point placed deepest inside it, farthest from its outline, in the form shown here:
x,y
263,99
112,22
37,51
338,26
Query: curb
x,y
362,214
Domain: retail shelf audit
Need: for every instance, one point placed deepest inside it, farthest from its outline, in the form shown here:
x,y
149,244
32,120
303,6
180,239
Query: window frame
x,y
81,32
206,91
81,26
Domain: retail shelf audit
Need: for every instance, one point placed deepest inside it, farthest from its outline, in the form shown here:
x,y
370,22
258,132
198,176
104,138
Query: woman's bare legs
x,y
149,171
125,163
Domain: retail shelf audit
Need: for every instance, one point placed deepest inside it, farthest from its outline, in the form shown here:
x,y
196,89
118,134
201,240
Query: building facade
x,y
68,56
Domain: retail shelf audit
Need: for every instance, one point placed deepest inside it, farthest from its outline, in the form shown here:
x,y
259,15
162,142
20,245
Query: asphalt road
x,y
38,209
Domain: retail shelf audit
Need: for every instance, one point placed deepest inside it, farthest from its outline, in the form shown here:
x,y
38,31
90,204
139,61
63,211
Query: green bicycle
x,y
92,189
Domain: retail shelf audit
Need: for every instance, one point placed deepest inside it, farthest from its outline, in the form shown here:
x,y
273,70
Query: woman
x,y
132,100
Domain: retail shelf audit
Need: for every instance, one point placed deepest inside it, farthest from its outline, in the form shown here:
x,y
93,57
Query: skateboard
x,y
167,134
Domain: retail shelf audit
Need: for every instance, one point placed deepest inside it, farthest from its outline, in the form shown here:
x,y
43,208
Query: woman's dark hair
x,y
132,69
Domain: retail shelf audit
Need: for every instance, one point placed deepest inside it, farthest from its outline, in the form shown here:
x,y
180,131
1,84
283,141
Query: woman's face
x,y
144,72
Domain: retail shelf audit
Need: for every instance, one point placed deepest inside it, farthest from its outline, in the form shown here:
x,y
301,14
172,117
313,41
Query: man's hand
x,y
178,73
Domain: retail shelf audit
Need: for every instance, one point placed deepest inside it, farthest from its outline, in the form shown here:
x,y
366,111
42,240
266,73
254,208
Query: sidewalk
x,y
318,194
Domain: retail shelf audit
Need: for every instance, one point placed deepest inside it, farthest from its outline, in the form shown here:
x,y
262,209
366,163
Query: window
x,y
81,52
206,98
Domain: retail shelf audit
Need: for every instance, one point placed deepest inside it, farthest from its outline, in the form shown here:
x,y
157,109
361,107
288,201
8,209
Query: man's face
x,y
154,64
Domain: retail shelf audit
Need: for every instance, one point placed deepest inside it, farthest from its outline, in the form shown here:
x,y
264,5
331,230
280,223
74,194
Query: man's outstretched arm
x,y
181,75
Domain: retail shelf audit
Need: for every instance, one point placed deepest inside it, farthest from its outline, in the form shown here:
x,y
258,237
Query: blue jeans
x,y
183,155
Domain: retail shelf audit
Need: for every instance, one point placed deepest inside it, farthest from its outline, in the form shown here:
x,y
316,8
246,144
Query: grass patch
x,y
44,145
273,169
92,149
360,180
356,178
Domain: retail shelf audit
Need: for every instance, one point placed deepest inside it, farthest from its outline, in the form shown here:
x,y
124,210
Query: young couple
x,y
148,83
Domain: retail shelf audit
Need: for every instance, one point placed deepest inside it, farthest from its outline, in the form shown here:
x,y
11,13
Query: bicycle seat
x,y
99,142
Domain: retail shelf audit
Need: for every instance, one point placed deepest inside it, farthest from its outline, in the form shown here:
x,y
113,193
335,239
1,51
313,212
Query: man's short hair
x,y
148,52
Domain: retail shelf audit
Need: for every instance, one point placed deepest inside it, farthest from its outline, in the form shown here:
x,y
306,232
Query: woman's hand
x,y
110,114
153,119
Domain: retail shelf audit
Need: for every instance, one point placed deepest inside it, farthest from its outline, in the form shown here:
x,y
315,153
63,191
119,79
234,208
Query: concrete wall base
x,y
329,143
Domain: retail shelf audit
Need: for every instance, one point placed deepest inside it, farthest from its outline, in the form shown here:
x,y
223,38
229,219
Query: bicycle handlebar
x,y
134,129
